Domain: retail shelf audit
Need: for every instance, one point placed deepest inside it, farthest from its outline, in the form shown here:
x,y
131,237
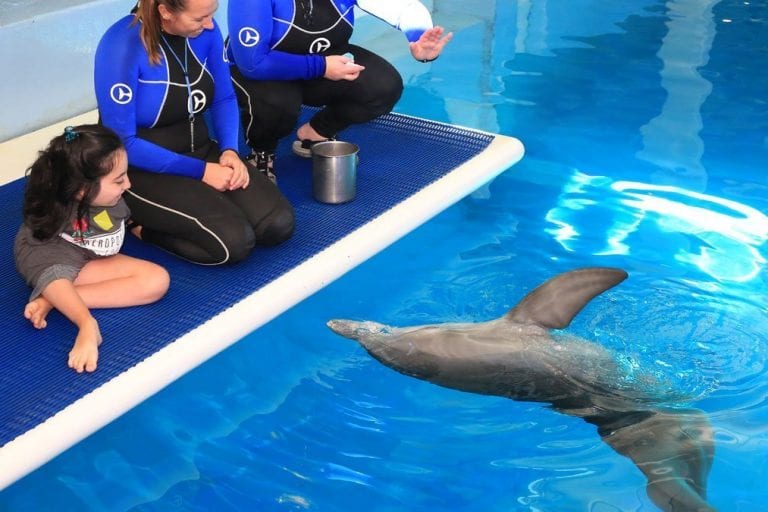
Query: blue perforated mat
x,y
399,156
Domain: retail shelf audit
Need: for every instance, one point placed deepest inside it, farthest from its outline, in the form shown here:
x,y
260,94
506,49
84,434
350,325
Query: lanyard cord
x,y
307,8
185,69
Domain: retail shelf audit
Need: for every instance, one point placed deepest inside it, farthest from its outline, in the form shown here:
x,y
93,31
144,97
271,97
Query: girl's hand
x,y
339,67
430,44
218,176
240,177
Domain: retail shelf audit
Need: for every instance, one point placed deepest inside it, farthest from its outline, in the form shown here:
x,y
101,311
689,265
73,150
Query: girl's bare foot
x,y
36,310
85,352
134,227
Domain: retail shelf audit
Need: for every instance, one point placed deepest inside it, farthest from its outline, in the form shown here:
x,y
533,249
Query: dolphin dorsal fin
x,y
556,302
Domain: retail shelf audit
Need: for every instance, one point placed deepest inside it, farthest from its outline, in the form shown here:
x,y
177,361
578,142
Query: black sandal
x,y
264,162
303,148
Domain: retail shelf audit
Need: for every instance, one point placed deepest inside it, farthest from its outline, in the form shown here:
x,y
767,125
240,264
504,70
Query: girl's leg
x,y
62,295
116,281
120,281
36,310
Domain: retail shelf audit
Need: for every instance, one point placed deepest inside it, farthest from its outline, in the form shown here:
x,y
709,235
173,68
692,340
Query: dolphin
x,y
518,357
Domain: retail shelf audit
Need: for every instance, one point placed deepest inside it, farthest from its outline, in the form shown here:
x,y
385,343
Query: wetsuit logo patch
x,y
197,101
319,45
248,37
121,94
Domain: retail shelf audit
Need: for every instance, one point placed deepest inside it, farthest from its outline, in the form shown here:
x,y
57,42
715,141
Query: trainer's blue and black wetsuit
x,y
158,114
278,51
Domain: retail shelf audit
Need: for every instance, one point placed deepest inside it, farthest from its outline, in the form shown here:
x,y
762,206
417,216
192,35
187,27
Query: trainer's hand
x,y
218,176
339,67
430,44
240,177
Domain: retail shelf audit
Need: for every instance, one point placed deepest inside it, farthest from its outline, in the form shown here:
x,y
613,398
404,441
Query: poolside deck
x,y
410,170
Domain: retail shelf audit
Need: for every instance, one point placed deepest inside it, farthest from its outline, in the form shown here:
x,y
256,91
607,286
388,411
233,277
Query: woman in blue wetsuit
x,y
156,71
288,52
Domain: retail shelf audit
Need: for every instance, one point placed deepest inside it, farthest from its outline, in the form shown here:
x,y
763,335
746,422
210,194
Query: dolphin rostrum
x,y
517,357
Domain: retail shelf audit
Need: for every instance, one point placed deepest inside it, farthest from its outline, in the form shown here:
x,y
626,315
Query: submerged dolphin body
x,y
516,357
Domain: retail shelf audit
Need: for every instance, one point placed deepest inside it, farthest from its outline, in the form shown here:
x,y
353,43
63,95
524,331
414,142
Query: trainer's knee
x,y
395,88
386,93
238,244
277,227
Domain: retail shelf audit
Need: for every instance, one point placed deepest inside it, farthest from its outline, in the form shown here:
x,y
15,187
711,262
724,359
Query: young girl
x,y
74,225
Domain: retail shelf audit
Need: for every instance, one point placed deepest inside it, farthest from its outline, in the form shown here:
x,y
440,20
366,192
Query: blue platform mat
x,y
400,156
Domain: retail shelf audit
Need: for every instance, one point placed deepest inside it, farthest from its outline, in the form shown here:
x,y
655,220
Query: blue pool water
x,y
646,129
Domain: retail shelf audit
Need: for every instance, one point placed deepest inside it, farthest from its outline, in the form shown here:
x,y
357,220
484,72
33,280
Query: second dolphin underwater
x,y
516,357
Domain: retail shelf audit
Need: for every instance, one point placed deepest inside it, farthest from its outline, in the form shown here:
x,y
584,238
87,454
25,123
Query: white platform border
x,y
95,410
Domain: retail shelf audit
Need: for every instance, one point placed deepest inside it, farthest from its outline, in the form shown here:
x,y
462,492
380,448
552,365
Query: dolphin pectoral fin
x,y
674,450
676,495
556,302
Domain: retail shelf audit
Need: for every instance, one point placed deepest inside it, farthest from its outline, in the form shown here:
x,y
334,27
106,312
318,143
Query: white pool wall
x,y
48,64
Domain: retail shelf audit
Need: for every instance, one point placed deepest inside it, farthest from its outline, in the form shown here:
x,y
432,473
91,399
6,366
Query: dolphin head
x,y
472,357
356,330
389,346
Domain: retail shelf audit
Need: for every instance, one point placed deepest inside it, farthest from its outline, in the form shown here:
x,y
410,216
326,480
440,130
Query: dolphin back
x,y
556,302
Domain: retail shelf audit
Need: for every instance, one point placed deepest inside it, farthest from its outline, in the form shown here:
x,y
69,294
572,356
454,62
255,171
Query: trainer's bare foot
x,y
36,310
85,352
306,132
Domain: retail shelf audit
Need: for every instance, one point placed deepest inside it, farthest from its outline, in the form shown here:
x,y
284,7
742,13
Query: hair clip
x,y
70,134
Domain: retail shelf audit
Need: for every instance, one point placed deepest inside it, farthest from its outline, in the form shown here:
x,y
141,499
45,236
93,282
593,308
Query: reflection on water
x,y
718,236
671,139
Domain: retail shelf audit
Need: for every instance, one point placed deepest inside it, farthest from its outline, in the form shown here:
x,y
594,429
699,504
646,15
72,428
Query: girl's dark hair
x,y
66,173
147,12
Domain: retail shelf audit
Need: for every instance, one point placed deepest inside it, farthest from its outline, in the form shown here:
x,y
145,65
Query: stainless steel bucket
x,y
334,171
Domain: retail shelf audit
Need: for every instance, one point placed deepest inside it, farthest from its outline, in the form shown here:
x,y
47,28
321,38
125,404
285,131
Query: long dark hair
x,y
65,174
147,12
